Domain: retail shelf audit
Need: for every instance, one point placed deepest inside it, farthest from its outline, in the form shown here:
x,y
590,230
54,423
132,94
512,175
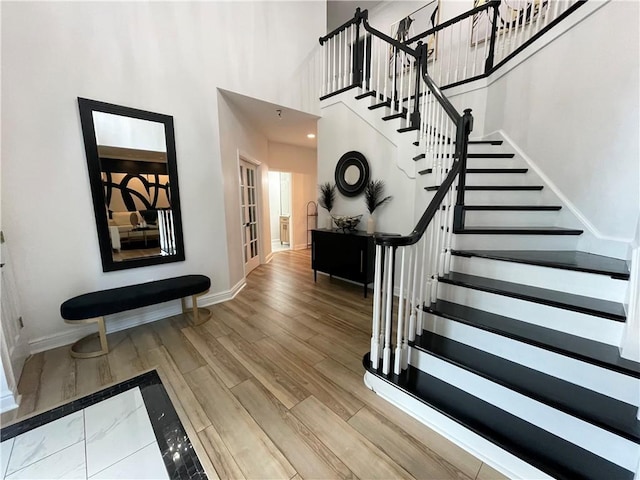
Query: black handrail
x,y
356,19
386,38
462,16
427,216
464,125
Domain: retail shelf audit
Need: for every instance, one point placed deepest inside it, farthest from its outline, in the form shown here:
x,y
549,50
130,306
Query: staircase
x,y
488,325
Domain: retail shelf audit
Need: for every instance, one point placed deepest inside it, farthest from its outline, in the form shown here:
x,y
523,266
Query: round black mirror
x,y
352,174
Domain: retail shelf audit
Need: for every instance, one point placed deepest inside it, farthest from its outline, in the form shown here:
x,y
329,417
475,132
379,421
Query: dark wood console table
x,y
348,255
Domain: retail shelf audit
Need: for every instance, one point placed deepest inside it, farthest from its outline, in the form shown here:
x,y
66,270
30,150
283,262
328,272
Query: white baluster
x,y
375,329
383,299
475,54
377,56
397,364
333,64
385,72
487,36
341,42
537,4
556,5
411,310
458,47
467,47
423,117
354,45
386,354
402,56
364,62
410,84
347,67
424,285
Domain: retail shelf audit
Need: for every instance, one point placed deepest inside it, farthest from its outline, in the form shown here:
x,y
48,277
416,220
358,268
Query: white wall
x,y
340,130
157,56
573,108
302,163
274,204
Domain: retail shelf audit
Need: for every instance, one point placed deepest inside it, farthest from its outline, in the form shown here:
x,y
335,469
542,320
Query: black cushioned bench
x,y
92,307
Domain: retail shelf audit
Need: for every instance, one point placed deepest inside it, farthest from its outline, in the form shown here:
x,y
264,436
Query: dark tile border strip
x,y
178,454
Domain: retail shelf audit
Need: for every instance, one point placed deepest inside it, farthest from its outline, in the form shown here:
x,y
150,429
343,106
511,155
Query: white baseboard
x,y
8,402
301,246
129,319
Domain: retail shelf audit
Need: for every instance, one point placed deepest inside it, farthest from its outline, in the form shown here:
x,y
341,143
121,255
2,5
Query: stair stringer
x,y
388,129
488,452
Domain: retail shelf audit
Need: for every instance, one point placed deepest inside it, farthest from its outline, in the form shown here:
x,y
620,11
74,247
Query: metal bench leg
x,y
200,314
101,334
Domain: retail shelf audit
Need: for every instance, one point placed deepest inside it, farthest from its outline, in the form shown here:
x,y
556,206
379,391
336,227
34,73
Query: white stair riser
x,y
509,218
601,380
495,163
508,197
574,323
501,179
569,281
486,148
510,465
594,439
514,242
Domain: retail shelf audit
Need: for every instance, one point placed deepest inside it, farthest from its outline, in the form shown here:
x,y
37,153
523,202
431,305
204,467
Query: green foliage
x,y
373,195
327,195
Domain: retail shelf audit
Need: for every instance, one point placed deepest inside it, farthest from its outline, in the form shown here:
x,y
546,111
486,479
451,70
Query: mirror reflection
x,y
136,194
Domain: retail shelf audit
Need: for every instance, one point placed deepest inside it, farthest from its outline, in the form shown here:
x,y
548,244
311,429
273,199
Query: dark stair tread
x,y
385,103
542,208
564,259
554,298
485,142
497,170
394,116
490,155
479,155
408,129
545,451
518,231
503,187
425,171
370,93
590,351
419,157
593,407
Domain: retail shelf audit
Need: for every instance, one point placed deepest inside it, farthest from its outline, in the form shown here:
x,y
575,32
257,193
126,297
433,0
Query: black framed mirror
x,y
131,159
352,174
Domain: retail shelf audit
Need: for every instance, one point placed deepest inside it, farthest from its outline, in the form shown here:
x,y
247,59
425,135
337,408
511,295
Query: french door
x,y
249,215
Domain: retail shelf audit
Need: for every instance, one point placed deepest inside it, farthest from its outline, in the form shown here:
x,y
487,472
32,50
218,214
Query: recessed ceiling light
x,y
311,135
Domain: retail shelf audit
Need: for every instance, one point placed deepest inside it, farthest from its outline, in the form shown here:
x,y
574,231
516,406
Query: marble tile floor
x,y
113,438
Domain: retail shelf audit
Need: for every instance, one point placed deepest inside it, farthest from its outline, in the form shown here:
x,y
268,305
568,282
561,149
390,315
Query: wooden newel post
x,y
465,127
421,62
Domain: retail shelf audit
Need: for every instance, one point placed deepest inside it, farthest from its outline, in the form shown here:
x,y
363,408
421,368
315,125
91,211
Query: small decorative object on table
x,y
346,222
327,197
373,199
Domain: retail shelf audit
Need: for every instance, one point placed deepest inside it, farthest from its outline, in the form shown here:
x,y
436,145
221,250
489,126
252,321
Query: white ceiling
x,y
291,127
339,11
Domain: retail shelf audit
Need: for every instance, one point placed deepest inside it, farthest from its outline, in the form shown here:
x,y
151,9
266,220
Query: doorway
x,y
280,211
249,215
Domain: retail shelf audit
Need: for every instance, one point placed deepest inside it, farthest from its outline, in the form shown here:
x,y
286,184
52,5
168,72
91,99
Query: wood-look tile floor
x,y
270,387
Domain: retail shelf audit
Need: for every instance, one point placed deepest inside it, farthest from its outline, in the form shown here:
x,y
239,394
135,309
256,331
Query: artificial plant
x,y
373,195
327,196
